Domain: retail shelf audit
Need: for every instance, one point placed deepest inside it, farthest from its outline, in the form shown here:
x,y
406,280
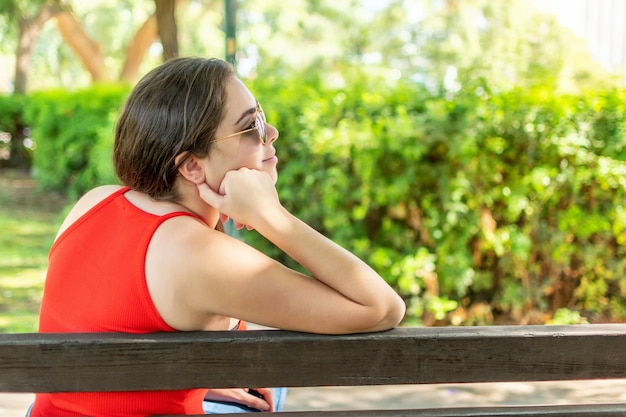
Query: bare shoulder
x,y
100,193
188,248
183,260
86,202
92,198
184,237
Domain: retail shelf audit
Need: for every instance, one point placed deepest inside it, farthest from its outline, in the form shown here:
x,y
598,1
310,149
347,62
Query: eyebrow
x,y
248,112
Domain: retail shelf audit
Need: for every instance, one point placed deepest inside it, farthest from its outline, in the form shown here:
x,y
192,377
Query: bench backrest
x,y
111,361
120,362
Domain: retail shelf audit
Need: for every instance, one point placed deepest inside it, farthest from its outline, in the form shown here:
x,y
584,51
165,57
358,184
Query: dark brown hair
x,y
175,108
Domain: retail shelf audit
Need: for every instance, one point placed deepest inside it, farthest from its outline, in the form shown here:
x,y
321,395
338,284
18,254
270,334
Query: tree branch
x,y
83,46
145,36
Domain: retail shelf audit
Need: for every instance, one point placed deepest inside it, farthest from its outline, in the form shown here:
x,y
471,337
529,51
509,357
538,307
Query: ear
x,y
191,169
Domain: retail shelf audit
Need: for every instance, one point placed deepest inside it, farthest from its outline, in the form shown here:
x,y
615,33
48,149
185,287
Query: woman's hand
x,y
245,195
244,397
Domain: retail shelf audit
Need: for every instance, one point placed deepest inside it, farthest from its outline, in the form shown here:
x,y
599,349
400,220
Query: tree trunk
x,y
166,23
86,49
145,36
29,29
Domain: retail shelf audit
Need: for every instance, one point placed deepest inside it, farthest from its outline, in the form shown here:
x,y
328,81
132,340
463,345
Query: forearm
x,y
331,264
364,299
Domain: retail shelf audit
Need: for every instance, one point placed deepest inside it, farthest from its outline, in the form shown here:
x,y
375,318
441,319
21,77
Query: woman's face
x,y
240,150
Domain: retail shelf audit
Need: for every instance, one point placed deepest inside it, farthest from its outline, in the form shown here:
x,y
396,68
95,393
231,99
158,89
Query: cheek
x,y
215,171
249,157
221,163
231,159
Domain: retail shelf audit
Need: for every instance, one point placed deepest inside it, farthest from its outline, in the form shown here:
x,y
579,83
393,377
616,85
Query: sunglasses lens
x,y
260,125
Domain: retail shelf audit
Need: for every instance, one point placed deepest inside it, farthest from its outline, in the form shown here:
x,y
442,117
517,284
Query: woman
x,y
193,149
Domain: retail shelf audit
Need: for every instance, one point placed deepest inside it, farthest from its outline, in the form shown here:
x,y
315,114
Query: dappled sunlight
x,y
455,395
29,220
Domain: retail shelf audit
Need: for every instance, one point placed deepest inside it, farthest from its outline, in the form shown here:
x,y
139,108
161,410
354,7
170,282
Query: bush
x,y
13,153
10,112
73,133
479,208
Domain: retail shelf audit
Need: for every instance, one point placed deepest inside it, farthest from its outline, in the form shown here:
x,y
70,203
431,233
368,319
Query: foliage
x,y
10,115
507,42
10,111
56,63
510,202
73,133
16,9
479,207
455,146
564,316
445,45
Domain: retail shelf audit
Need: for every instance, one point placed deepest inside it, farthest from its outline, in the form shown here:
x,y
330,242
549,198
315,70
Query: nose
x,y
271,133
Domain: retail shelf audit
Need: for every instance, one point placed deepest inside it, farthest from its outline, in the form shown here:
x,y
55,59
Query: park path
x,y
419,396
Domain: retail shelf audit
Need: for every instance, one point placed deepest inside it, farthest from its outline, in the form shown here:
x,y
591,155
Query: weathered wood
x,y
119,362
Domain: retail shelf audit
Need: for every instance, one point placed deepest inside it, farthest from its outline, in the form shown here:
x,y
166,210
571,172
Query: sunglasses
x,y
259,126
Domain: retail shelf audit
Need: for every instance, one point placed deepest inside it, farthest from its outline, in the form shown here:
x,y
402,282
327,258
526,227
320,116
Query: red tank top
x,y
96,283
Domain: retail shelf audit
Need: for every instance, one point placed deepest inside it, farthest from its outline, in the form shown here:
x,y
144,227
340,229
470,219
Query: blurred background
x,y
472,151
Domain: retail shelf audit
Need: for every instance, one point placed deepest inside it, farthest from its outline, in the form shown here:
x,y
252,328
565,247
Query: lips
x,y
272,158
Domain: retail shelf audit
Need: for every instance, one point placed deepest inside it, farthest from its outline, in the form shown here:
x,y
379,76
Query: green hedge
x,y
73,134
479,208
11,110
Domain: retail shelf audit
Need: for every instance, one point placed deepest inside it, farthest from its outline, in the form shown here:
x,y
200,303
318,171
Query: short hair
x,y
177,107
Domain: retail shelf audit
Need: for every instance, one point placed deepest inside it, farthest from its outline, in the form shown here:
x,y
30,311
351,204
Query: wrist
x,y
275,222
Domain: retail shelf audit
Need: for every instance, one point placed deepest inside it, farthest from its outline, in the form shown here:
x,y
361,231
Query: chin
x,y
271,171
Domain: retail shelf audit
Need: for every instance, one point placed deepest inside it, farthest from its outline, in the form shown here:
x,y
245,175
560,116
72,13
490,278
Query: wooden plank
x,y
596,410
119,362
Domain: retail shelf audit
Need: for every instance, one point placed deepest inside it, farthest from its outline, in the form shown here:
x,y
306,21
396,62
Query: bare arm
x,y
345,292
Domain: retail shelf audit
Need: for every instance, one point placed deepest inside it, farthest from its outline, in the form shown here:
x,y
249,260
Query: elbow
x,y
387,316
394,313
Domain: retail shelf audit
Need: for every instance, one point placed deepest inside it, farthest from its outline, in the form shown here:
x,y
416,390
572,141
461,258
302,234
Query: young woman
x,y
193,149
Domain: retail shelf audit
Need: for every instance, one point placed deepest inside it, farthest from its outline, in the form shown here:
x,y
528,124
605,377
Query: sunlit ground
x,y
28,223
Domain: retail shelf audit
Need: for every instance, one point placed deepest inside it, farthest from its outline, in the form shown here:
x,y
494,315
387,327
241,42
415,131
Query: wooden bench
x,y
119,362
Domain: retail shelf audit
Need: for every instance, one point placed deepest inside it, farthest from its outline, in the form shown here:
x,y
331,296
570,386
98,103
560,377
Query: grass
x,y
29,220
